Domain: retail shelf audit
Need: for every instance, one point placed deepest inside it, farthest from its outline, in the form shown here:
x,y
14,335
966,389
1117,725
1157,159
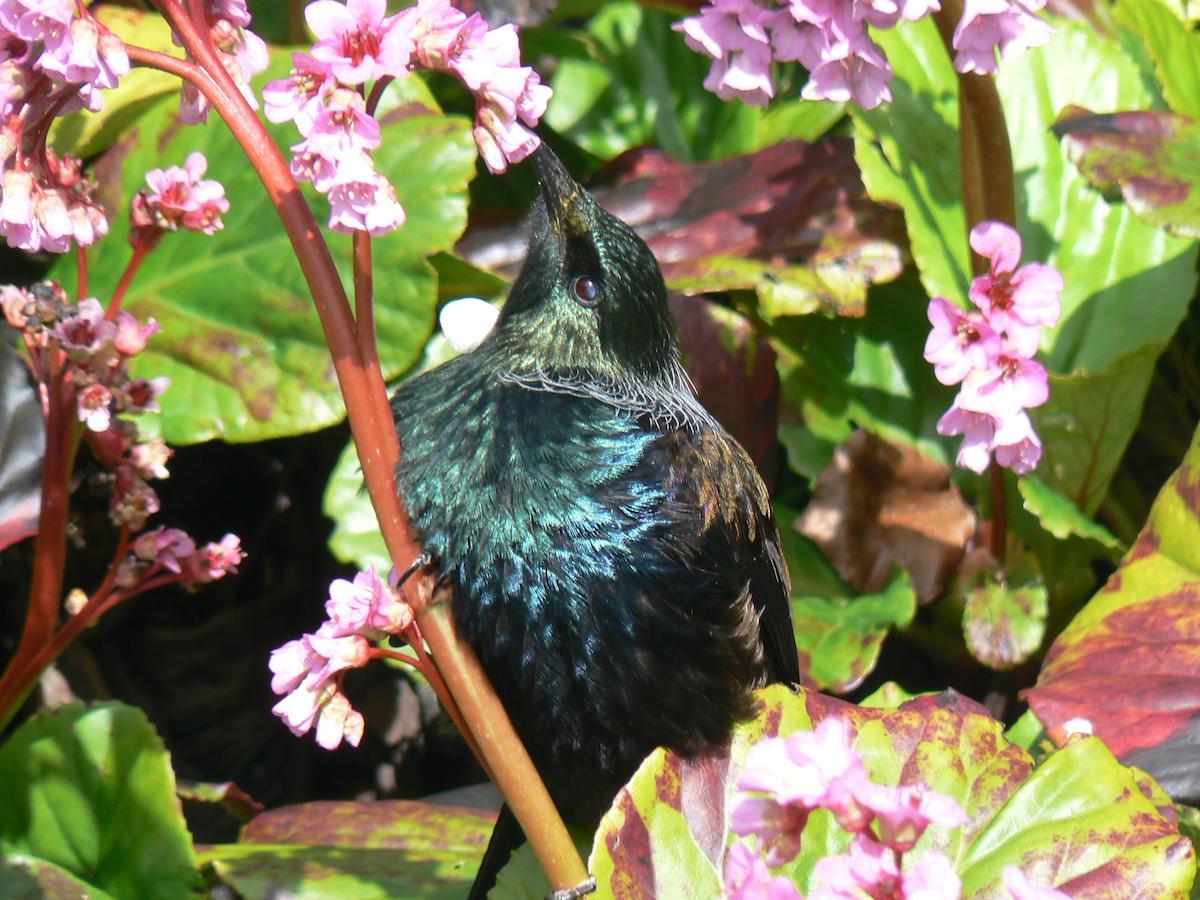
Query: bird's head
x,y
590,296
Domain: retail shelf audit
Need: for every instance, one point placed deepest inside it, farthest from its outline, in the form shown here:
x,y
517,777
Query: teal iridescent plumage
x,y
612,552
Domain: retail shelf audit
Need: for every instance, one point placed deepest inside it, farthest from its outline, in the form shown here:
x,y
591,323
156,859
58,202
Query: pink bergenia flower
x,y
215,560
360,199
131,335
978,430
959,342
241,51
931,878
169,547
1019,888
141,394
94,404
1017,445
747,877
988,25
342,129
298,97
359,40
852,69
1012,383
734,33
309,672
367,605
178,197
867,866
150,458
87,333
778,826
1015,301
906,811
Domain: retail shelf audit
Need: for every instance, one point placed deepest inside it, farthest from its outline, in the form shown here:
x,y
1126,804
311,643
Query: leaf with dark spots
x,y
241,340
791,222
1129,664
1150,158
1078,819
22,446
733,370
397,824
1004,622
879,504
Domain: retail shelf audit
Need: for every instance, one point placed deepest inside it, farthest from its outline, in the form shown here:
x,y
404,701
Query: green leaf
x,y
1129,663
90,789
1059,515
1028,733
522,877
265,871
1004,623
1149,158
804,120
241,341
1080,821
1087,423
908,153
1110,260
29,878
1173,46
84,133
355,537
869,372
839,637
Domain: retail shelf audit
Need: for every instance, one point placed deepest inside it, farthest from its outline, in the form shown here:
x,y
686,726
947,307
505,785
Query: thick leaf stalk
x,y
378,448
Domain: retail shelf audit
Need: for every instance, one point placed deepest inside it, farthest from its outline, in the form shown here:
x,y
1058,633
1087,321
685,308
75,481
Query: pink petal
x,y
998,243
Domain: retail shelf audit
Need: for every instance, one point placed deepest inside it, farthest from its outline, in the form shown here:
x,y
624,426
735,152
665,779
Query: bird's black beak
x,y
566,201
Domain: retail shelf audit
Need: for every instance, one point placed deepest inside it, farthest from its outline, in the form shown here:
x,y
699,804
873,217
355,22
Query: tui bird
x,y
613,555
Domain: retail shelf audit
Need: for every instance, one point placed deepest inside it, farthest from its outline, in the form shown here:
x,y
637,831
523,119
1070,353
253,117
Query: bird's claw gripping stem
x,y
580,890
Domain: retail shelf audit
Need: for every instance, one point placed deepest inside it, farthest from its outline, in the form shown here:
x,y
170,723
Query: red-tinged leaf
x,y
1080,820
397,824
237,802
791,222
22,444
1150,158
733,369
1004,623
1129,664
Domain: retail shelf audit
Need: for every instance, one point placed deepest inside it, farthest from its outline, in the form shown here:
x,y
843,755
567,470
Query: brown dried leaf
x,y
878,504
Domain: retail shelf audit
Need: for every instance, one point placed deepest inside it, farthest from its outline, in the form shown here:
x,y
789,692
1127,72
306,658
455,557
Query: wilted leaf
x,y
1130,661
1059,515
241,340
1174,47
22,445
1079,821
85,133
1149,157
91,789
791,222
880,504
839,638
1004,623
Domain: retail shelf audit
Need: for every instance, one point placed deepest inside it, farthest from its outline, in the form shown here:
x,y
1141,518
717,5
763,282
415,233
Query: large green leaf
x,y
1110,260
1080,820
1174,47
90,789
1129,663
240,340
1087,423
30,878
338,849
908,153
1059,515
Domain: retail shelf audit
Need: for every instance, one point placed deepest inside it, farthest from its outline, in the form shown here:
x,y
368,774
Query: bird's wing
x,y
726,527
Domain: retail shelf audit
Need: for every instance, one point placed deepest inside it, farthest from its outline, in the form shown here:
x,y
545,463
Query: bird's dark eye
x,y
587,291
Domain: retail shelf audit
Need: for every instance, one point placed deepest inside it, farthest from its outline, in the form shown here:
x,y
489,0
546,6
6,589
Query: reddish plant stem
x,y
988,193
135,262
364,326
379,452
81,272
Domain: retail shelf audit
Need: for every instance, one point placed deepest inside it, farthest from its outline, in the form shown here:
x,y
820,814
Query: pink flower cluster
x,y
167,555
831,40
358,42
990,352
177,198
55,57
242,52
788,778
310,671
